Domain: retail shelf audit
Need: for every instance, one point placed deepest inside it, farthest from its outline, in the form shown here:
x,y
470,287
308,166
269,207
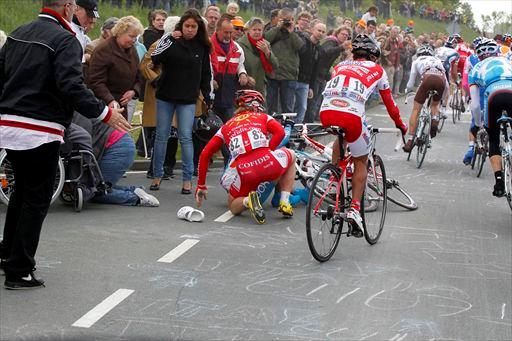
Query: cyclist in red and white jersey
x,y
464,52
254,158
352,82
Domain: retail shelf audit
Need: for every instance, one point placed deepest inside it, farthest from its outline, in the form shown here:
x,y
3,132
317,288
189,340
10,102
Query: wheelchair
x,y
78,177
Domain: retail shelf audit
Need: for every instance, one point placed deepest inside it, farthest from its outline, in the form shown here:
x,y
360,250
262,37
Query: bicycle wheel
x,y
7,180
423,141
323,220
507,176
476,152
481,161
441,124
376,195
455,105
398,196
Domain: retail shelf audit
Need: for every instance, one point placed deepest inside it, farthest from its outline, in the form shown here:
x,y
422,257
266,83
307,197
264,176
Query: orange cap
x,y
361,23
390,22
238,22
410,23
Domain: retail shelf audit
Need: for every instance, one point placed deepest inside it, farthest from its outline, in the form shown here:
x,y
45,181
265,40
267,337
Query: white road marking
x,y
224,217
315,290
175,253
503,311
136,172
347,294
103,308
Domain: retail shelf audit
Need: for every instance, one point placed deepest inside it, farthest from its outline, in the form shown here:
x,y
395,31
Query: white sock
x,y
285,197
471,143
246,202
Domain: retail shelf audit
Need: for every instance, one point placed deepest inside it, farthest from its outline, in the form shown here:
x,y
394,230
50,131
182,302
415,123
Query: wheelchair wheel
x,y
79,198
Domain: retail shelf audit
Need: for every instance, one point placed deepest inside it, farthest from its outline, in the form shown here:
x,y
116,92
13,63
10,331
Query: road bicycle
x,y
480,151
457,103
505,123
422,137
330,196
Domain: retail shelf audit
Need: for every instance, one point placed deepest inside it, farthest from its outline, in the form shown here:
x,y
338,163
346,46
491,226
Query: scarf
x,y
264,61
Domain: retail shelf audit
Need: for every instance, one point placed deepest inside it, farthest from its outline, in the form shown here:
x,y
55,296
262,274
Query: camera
x,y
287,23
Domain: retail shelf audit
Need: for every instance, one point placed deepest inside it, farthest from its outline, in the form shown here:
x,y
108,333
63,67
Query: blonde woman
x,y
114,67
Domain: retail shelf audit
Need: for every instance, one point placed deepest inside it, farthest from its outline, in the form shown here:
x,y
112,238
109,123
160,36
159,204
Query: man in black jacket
x,y
41,84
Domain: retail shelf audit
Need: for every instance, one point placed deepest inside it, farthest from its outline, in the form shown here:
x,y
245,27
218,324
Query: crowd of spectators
x,y
287,58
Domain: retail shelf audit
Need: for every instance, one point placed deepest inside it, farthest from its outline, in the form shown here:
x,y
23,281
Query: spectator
x,y
331,18
155,30
186,70
303,22
286,44
330,50
390,23
86,15
309,56
114,65
232,9
370,29
115,152
359,28
238,28
274,19
229,73
370,15
53,62
106,33
348,23
392,50
260,61
408,51
151,74
212,16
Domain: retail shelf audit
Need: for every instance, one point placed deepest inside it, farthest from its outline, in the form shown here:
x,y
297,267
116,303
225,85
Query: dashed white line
x,y
103,308
175,253
346,295
224,217
503,311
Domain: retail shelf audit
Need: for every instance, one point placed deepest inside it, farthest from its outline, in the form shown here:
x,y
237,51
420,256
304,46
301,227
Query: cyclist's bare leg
x,y
413,120
359,176
495,161
335,151
434,112
236,205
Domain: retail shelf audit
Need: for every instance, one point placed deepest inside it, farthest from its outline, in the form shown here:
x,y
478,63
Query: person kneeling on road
x,y
255,158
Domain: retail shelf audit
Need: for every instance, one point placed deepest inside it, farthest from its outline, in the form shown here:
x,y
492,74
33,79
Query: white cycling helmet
x,y
425,50
487,48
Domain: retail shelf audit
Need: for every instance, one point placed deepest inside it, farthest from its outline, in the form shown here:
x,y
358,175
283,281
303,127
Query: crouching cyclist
x,y
345,95
493,74
254,159
433,77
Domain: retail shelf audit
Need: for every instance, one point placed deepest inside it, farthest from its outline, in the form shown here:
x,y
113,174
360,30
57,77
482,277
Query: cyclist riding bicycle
x,y
493,74
449,57
464,52
473,128
352,82
433,77
255,159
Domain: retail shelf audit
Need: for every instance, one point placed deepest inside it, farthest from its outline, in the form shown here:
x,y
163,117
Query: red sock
x,y
356,205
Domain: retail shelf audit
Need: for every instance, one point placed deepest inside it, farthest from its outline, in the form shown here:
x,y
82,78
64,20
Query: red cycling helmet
x,y
250,99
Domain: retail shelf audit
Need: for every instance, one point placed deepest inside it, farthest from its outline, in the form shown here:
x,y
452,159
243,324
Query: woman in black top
x,y
186,70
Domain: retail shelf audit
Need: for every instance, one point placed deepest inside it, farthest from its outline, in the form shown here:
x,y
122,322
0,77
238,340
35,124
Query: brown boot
x,y
408,146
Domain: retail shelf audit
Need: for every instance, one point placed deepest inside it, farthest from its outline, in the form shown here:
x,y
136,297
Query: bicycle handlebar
x,y
400,139
409,94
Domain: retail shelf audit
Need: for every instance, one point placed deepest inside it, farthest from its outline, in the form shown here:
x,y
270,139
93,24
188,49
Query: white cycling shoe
x,y
191,214
355,220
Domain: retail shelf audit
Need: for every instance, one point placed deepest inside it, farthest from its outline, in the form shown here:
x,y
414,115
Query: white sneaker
x,y
354,218
146,199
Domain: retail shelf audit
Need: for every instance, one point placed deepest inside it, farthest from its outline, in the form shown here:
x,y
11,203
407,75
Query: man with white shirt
x,y
41,85
84,19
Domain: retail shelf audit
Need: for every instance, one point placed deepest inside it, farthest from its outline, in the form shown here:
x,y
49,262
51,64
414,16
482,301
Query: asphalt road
x,y
442,272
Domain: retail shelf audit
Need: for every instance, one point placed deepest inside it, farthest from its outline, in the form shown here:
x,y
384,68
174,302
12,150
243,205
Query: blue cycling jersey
x,y
489,71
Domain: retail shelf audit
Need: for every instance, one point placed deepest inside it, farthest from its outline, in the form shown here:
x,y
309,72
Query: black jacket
x,y
41,73
329,50
186,69
308,56
151,35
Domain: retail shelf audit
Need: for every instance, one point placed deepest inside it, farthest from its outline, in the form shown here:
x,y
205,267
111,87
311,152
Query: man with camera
x,y
286,45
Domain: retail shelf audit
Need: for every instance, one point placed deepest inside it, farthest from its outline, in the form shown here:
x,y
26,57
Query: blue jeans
x,y
283,90
116,160
164,113
301,101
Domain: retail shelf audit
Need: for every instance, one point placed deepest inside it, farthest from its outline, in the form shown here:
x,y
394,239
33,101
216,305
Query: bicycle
x,y
330,197
457,103
480,151
422,137
505,123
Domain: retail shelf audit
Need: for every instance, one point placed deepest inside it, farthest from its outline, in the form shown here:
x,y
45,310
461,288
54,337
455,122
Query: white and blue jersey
x,y
447,55
490,75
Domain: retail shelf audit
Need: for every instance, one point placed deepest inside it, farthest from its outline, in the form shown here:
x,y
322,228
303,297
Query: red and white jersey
x,y
245,132
352,83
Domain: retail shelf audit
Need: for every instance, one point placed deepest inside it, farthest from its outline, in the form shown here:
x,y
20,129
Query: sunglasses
x,y
238,28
